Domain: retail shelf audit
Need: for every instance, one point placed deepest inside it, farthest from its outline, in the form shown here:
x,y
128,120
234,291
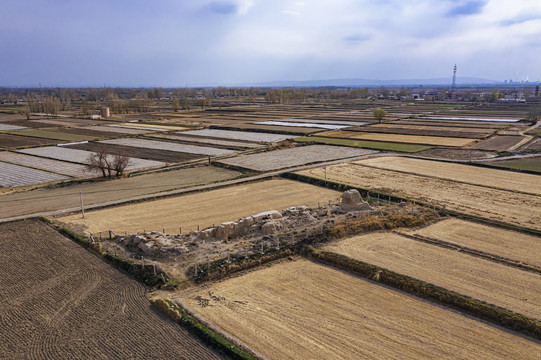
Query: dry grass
x,y
408,139
506,206
469,174
203,209
301,310
492,240
495,283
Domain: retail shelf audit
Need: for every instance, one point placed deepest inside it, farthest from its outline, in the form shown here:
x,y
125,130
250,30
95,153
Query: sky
x,y
177,43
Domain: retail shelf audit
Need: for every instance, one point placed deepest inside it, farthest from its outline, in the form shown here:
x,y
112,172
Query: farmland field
x,y
8,141
462,173
285,158
502,205
58,198
499,143
239,135
59,301
81,156
402,131
301,310
451,129
408,139
497,241
169,146
55,135
532,164
482,279
15,175
377,145
203,209
535,144
141,153
302,124
119,130
153,126
202,140
6,127
55,166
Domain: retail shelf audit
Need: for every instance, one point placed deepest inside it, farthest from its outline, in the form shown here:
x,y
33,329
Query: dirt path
x,y
526,136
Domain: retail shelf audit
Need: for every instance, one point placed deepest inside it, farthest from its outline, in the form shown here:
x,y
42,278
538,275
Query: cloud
x,y
356,38
222,8
467,8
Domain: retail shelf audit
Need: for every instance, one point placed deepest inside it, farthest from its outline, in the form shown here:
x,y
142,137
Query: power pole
x,y
453,86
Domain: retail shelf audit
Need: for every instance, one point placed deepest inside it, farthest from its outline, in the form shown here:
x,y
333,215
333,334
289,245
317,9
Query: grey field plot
x,y
200,140
59,167
281,159
170,146
6,127
81,156
240,135
147,129
15,175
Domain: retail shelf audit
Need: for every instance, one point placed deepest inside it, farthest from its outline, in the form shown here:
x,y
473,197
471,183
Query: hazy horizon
x,y
169,43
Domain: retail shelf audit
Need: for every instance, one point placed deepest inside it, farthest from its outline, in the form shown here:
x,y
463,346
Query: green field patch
x,y
48,134
530,164
410,148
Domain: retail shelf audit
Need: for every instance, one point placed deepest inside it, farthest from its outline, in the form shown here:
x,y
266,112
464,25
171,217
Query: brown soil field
x,y
423,132
505,243
203,208
50,199
534,145
8,141
501,205
28,123
457,154
408,139
88,131
501,179
60,301
499,143
485,280
421,126
449,123
302,310
141,153
74,122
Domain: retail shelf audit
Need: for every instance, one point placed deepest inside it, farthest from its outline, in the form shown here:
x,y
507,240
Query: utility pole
x,y
82,205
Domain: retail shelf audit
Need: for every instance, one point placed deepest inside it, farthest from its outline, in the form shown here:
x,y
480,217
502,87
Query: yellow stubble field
x,y
482,279
502,179
408,139
496,204
505,243
302,310
202,209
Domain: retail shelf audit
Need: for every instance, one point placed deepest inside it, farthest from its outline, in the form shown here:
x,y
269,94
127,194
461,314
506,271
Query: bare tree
x,y
106,163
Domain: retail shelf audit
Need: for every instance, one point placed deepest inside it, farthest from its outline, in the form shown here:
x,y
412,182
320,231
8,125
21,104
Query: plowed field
x,y
502,205
205,208
482,279
301,310
61,302
497,241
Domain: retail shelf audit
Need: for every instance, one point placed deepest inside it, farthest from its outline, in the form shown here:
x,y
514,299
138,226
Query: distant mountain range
x,y
460,81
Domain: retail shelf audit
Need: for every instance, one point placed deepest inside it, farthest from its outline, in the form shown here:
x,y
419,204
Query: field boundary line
x,y
465,304
209,336
472,252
